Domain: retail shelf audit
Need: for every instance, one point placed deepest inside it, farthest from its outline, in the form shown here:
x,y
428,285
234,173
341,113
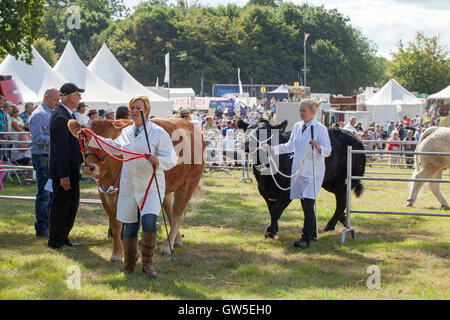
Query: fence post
x,y
348,195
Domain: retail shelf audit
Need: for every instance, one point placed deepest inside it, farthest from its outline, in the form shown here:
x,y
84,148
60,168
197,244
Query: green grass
x,y
224,255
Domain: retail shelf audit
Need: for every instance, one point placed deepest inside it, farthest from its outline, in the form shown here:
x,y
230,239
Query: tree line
x,y
265,39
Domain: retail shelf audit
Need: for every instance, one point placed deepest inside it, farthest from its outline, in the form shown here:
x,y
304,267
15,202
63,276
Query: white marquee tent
x,y
443,94
98,93
32,80
107,68
392,102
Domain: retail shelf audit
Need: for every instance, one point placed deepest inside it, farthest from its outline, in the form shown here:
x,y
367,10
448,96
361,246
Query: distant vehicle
x,y
9,90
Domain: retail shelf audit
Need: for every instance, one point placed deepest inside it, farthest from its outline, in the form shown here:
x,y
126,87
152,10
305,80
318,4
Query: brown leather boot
x,y
148,246
130,252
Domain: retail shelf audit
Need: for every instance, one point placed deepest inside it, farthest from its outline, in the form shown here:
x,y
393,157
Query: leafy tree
x,y
20,24
423,66
46,49
265,41
265,3
81,21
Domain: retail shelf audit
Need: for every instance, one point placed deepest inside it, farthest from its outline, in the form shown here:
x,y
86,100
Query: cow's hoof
x,y
269,235
178,242
165,251
328,228
115,258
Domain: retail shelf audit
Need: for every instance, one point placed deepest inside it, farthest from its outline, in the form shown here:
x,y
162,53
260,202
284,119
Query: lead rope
x,y
272,161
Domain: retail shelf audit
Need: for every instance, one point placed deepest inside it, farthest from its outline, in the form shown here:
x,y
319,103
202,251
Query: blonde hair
x,y
144,99
312,104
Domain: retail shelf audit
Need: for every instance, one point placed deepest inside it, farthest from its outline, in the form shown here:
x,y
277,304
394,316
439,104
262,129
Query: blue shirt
x,y
40,130
24,117
3,122
139,129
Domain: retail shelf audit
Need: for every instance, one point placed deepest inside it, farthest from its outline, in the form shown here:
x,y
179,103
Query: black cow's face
x,y
260,133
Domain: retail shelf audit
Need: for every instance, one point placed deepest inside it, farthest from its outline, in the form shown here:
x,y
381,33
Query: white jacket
x,y
302,186
136,174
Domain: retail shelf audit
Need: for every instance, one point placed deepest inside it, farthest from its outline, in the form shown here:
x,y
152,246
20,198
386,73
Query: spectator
x,y
390,128
40,142
185,114
17,123
401,132
123,112
394,147
23,157
29,107
229,126
228,146
5,126
418,134
410,148
209,125
350,126
81,108
109,115
92,115
102,114
64,169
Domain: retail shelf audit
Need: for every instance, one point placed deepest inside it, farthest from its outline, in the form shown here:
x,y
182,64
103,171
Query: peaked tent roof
x,y
32,80
107,68
74,70
443,94
284,88
392,93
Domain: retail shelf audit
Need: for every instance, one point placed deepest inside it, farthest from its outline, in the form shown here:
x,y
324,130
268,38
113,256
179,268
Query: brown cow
x,y
181,181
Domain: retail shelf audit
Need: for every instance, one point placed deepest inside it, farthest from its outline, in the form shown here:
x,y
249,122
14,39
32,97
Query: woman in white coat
x,y
302,186
134,180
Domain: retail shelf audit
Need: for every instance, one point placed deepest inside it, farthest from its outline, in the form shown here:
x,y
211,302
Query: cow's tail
x,y
358,168
198,192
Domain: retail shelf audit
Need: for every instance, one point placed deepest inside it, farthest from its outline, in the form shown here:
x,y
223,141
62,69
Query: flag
x,y
167,76
241,91
157,83
306,38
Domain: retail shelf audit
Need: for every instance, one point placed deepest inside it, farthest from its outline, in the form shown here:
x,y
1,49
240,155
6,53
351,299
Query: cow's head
x,y
260,132
94,159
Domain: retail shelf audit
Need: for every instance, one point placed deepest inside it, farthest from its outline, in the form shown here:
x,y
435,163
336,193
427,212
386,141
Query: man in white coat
x,y
134,180
302,186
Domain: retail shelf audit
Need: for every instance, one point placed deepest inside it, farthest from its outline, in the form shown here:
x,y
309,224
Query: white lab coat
x,y
302,186
136,174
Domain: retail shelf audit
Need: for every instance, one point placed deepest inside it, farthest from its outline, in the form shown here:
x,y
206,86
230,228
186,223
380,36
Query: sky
x,y
384,22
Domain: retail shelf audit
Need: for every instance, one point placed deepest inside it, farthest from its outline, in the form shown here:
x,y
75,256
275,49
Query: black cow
x,y
335,171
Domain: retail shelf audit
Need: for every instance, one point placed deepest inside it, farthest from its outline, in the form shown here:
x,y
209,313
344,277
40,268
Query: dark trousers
x,y
63,210
309,225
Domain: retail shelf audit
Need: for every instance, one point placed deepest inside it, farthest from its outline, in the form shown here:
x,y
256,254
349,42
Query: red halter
x,y
102,160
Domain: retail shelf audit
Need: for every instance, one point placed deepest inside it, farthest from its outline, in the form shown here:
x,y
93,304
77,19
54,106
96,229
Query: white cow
x,y
434,139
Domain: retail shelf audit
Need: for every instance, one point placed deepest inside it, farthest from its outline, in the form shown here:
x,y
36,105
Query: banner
x,y
306,38
167,75
181,103
201,103
223,106
239,80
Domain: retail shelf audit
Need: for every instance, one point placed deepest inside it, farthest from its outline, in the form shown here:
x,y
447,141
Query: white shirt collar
x,y
68,110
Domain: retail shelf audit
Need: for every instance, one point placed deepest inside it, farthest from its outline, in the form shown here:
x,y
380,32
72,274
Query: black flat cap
x,y
69,88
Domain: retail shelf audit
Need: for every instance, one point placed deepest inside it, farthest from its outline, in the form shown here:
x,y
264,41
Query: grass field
x,y
224,255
